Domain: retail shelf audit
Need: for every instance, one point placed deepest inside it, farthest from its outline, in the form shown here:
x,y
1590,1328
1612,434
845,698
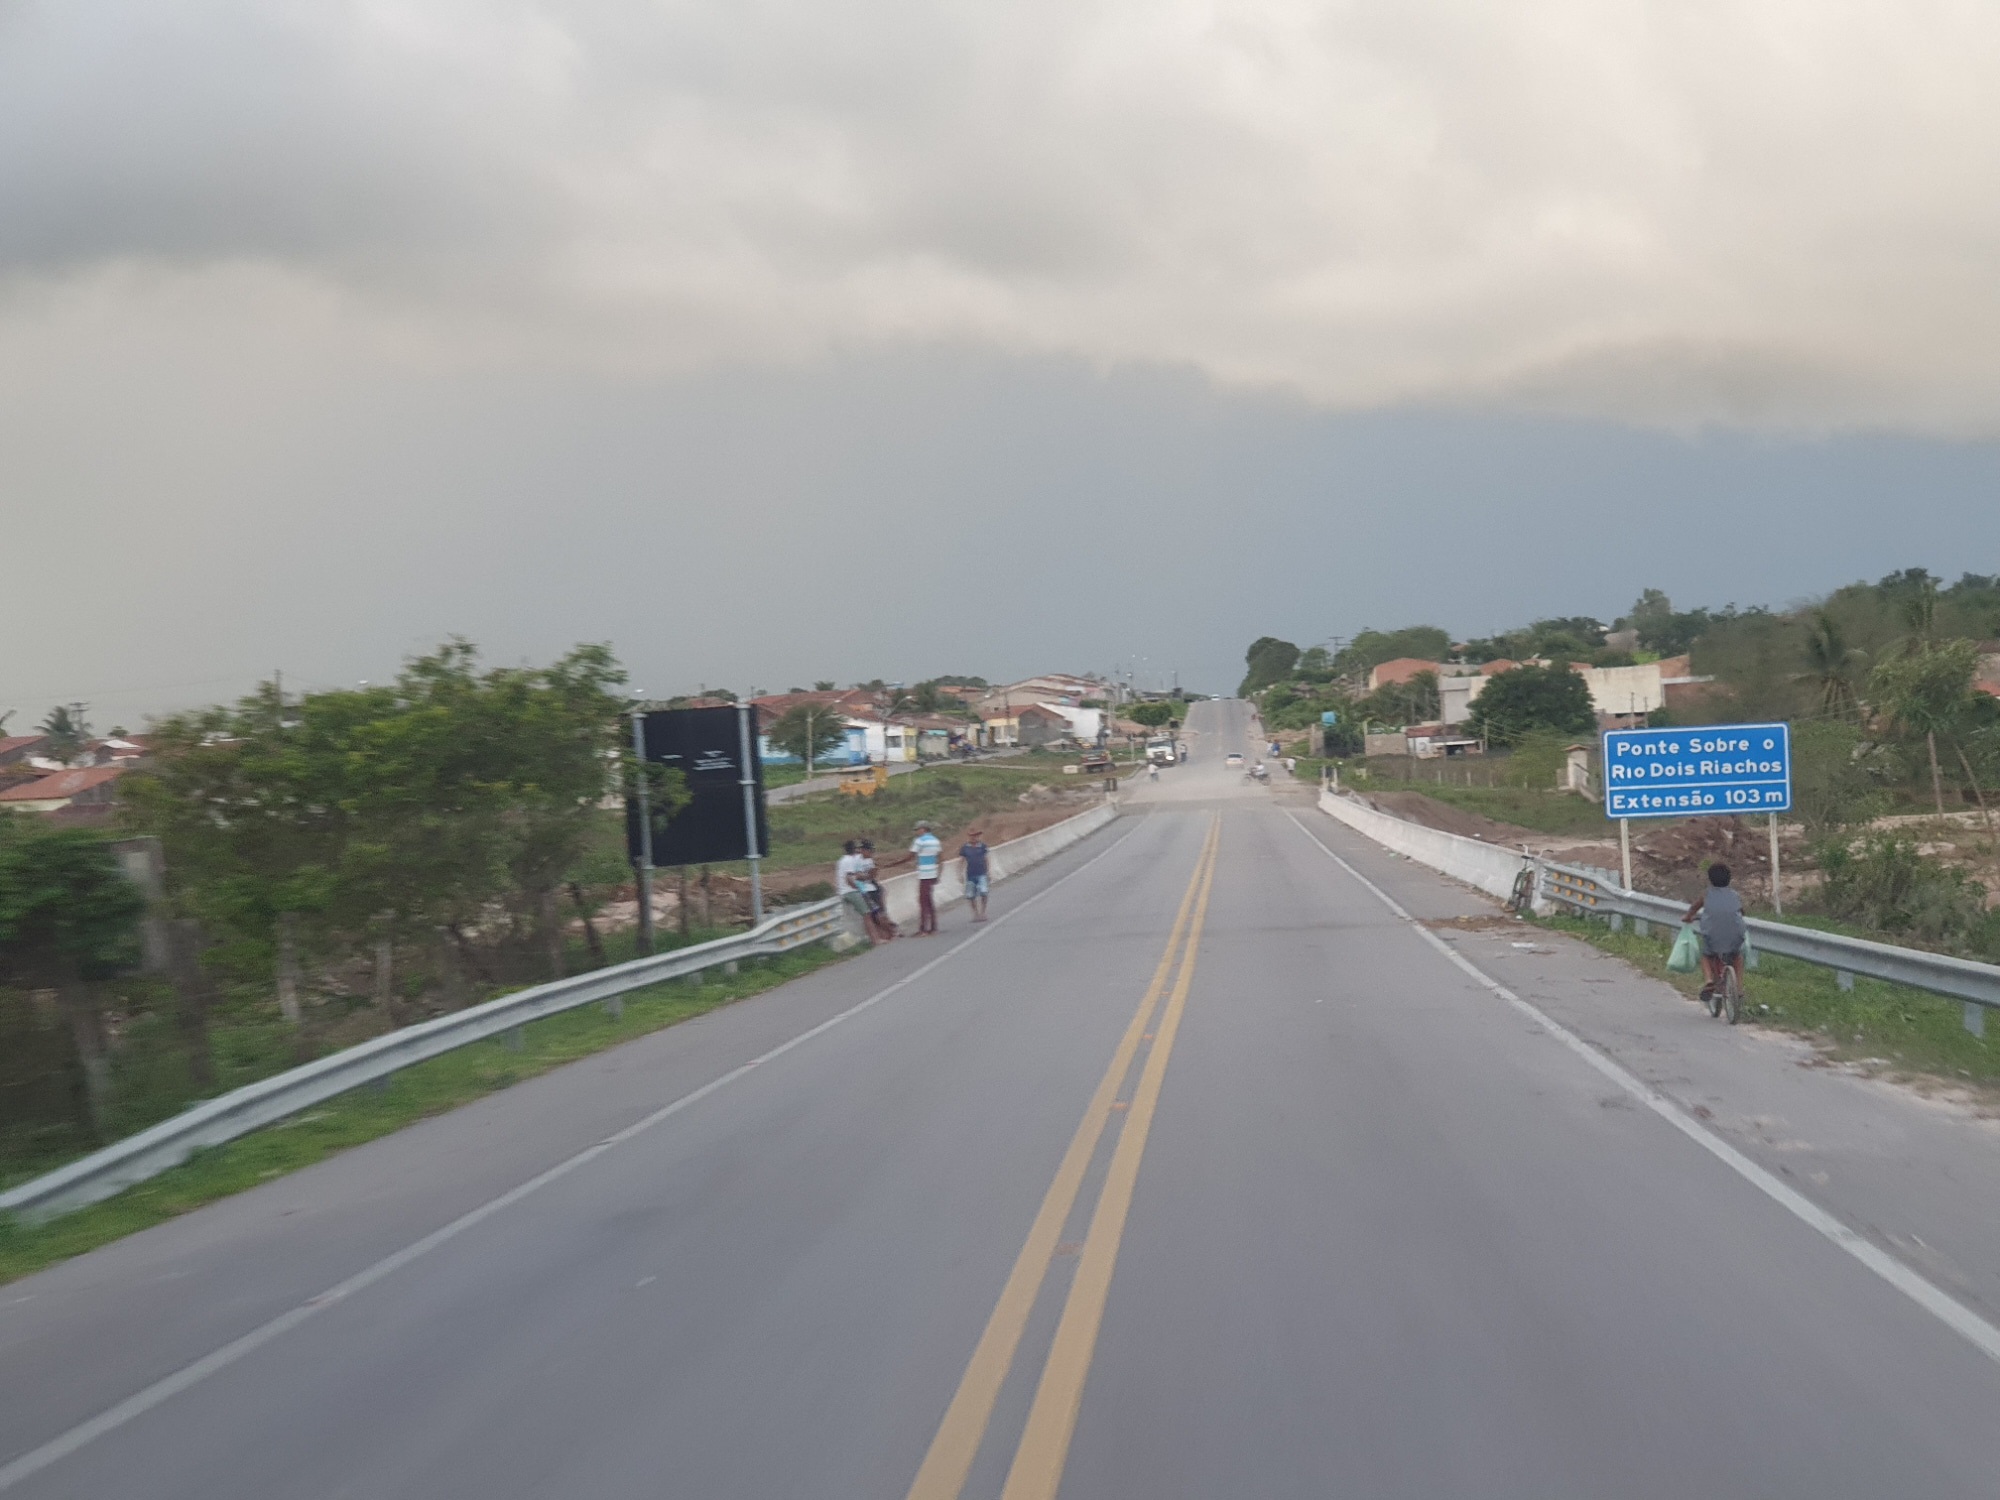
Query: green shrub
x,y
1885,884
1831,787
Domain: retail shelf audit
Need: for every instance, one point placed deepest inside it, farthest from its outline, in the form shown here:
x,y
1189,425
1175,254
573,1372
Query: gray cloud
x,y
1652,211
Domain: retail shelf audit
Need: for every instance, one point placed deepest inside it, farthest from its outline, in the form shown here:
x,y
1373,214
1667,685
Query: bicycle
x,y
1725,993
1523,895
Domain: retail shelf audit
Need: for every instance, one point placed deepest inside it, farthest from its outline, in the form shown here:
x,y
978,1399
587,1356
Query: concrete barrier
x,y
1489,867
899,892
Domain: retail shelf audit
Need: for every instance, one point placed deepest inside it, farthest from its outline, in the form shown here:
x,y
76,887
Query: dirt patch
x,y
1472,924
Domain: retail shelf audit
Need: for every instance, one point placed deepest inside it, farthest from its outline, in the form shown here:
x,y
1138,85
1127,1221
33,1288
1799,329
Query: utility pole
x,y
749,779
644,868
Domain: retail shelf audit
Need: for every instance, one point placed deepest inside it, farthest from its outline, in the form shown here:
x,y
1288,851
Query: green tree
x,y
824,685
1662,629
809,731
386,811
1373,647
1517,703
1412,702
1926,688
1315,665
1269,660
68,920
68,730
1152,715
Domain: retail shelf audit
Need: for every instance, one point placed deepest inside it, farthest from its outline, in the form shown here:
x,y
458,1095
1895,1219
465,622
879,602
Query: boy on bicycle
x,y
1722,929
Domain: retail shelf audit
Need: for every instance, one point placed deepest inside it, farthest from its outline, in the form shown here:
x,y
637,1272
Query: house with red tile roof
x,y
16,748
90,786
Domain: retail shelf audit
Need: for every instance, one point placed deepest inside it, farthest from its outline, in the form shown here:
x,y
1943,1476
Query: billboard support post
x,y
750,809
643,865
1777,891
1625,849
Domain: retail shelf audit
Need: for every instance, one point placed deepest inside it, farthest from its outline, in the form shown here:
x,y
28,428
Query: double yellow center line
x,y
1044,1447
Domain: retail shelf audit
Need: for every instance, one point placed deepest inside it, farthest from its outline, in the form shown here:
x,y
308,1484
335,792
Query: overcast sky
x,y
775,341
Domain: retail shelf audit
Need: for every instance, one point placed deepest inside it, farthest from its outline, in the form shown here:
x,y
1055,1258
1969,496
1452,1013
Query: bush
x,y
1885,884
1831,788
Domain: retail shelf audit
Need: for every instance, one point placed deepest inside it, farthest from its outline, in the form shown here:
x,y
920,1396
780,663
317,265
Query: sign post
x,y
1711,770
748,762
643,862
1777,890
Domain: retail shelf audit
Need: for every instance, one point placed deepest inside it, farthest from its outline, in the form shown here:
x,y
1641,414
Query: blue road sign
x,y
1329,718
1686,773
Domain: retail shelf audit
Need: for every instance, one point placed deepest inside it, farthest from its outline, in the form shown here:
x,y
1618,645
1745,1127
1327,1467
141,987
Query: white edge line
x,y
1947,1309
167,1387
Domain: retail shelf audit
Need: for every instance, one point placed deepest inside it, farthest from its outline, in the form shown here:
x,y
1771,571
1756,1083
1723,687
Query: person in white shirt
x,y
848,884
869,882
930,860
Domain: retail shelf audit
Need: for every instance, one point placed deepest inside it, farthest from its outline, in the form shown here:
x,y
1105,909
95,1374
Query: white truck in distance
x,y
1160,750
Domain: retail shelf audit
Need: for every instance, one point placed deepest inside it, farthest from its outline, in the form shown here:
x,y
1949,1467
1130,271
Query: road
x,y
1202,1171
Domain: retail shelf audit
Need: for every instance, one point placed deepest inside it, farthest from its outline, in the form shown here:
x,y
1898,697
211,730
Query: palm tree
x,y
67,730
1830,664
1927,688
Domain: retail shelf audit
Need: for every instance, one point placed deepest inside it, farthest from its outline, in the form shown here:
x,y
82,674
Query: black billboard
x,y
706,746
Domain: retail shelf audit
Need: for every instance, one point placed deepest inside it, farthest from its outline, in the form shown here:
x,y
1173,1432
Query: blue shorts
x,y
976,885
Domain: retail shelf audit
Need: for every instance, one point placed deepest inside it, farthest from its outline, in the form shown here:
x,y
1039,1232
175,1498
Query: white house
x,y
1084,723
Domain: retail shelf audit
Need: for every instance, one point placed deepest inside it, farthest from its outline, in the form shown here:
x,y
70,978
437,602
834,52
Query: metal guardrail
x,y
214,1121
1977,984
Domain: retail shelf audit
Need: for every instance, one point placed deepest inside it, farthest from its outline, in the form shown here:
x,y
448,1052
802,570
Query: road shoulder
x,y
1916,1172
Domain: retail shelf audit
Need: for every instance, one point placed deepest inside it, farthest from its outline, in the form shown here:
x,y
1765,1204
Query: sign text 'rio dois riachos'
x,y
1684,773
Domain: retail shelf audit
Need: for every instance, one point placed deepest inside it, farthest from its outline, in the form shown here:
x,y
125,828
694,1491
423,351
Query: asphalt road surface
x,y
1202,1171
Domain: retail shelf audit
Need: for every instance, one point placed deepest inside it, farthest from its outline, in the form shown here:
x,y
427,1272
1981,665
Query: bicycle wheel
x,y
1713,995
1732,993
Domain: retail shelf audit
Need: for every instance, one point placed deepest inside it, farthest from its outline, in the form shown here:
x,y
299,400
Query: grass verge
x,y
1916,1033
429,1088
1524,807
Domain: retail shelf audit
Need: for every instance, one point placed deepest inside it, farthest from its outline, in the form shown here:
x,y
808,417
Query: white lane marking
x,y
166,1388
1948,1310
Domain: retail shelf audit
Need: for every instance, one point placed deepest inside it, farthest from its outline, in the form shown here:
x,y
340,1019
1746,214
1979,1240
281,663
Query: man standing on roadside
x,y
973,852
929,853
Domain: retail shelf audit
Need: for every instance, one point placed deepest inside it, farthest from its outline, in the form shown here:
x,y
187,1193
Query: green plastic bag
x,y
1686,957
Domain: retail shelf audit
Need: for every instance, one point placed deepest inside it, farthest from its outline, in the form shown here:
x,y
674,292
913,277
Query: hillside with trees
x,y
1892,689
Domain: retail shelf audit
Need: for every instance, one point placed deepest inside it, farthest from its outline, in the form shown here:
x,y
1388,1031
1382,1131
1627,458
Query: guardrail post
x,y
1641,927
615,1007
1617,921
1975,1018
1844,979
517,1039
